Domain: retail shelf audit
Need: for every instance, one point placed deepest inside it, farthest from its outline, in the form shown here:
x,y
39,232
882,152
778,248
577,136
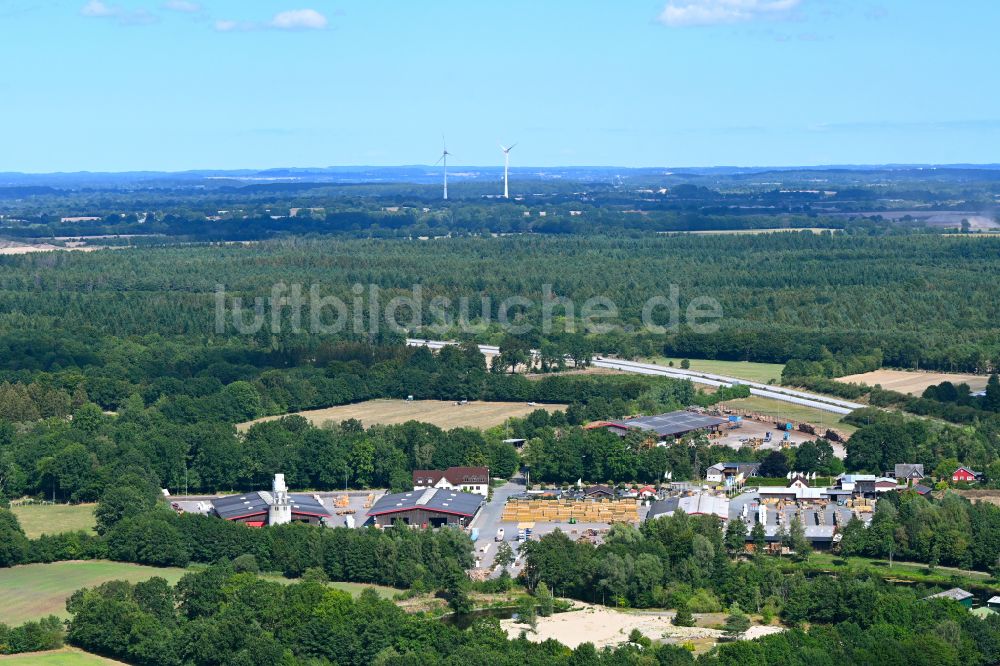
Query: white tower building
x,y
280,511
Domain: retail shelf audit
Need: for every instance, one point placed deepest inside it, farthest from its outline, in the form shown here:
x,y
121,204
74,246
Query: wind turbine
x,y
444,158
506,167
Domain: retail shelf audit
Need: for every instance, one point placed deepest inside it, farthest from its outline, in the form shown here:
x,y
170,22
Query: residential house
x,y
965,475
474,480
909,473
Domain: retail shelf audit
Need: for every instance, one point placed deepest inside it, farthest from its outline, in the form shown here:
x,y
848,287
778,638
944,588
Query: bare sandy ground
x,y
914,382
13,247
442,413
604,626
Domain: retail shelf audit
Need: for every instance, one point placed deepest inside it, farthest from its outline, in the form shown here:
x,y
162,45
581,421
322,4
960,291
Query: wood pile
x,y
560,511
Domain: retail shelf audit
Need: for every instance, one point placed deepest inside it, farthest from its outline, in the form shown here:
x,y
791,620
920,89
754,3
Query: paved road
x,y
792,396
488,522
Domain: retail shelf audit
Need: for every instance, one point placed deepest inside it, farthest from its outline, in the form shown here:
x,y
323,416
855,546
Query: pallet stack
x,y
560,511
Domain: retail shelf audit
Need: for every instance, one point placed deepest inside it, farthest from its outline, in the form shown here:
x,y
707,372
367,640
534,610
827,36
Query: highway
x,y
791,396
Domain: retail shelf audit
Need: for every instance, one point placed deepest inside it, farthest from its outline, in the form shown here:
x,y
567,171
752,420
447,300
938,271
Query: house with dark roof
x,y
427,507
599,492
474,480
277,507
739,471
909,473
921,489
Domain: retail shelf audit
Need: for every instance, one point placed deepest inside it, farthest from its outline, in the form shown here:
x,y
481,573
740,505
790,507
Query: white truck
x,y
499,536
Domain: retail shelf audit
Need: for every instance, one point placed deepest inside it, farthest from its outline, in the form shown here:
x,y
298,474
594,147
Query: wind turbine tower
x,y
444,159
506,167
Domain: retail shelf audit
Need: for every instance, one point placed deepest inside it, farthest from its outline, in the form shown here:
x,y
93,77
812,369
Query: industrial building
x,y
698,504
673,424
277,507
429,507
474,480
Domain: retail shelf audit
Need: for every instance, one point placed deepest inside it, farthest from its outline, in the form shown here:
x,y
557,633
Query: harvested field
x,y
558,511
990,496
39,519
913,381
32,591
442,413
67,656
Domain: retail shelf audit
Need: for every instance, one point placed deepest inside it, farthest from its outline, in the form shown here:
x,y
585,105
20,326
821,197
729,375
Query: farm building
x,y
738,471
271,508
672,424
699,504
955,594
428,507
474,480
965,475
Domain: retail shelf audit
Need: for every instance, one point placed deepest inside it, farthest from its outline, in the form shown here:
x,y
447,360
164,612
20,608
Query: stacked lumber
x,y
560,511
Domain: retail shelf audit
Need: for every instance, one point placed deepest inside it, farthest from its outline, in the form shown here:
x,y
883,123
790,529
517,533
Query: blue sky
x,y
186,84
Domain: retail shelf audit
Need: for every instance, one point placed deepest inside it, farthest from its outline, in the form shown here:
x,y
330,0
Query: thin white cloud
x,y
98,9
294,19
102,10
298,19
183,6
683,13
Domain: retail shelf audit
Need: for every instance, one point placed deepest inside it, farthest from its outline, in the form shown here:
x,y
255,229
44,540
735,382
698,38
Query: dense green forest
x,y
782,296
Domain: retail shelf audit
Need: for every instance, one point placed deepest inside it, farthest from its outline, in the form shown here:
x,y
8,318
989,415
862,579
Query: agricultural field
x,y
442,413
65,657
752,372
32,591
39,519
913,381
783,410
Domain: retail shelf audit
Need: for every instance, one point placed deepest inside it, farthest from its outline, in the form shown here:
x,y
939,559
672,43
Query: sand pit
x,y
913,382
603,626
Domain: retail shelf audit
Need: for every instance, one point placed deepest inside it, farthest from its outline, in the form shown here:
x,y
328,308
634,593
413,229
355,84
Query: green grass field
x,y
64,657
32,591
777,408
910,571
38,519
753,372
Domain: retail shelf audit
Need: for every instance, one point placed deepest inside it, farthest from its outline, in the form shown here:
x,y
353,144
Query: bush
x,y
704,601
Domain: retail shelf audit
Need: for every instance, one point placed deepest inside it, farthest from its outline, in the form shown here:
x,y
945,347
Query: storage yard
x,y
564,510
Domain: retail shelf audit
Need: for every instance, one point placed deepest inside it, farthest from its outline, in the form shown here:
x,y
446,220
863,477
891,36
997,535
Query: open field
x,y
32,591
442,413
39,519
778,409
67,656
753,372
913,382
